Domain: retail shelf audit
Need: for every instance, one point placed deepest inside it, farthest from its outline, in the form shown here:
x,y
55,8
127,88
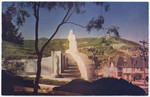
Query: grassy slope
x,y
108,47
14,51
102,47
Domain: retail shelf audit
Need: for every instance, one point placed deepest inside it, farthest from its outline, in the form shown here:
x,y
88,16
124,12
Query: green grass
x,y
103,47
14,51
107,47
47,81
20,79
52,82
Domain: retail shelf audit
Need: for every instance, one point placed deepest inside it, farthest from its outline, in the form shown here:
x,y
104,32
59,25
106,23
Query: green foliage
x,y
9,31
97,23
12,67
52,82
102,48
42,80
106,47
14,51
58,44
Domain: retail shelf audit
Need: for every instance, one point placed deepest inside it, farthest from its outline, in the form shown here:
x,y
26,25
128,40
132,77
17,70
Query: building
x,y
130,69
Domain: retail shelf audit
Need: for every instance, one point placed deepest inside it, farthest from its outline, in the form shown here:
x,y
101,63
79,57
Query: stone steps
x,y
72,68
71,71
66,75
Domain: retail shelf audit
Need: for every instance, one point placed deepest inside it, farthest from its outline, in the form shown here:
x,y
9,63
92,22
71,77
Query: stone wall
x,y
50,66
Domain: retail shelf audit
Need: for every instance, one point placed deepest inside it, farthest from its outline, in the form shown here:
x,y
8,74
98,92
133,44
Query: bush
x,y
12,67
9,31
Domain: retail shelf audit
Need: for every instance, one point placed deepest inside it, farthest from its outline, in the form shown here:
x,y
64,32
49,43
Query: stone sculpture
x,y
72,42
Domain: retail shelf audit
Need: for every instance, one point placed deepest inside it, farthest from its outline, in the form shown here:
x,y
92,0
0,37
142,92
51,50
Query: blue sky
x,y
131,17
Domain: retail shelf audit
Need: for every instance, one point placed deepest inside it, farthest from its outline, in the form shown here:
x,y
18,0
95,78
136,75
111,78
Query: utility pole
x,y
143,42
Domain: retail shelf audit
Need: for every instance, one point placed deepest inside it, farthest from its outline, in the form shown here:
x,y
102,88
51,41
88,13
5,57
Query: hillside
x,y
109,46
105,47
14,51
102,48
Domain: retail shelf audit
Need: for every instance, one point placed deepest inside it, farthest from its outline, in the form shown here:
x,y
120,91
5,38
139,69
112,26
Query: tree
x,y
98,23
113,29
70,7
9,31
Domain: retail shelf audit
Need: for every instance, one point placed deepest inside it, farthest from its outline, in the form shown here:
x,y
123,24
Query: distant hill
x,y
13,51
109,46
103,47
97,49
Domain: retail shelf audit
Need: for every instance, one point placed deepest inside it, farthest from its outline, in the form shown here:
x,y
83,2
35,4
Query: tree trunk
x,y
38,74
39,54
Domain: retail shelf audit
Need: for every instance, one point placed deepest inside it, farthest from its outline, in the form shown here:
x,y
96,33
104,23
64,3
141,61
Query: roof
x,y
130,62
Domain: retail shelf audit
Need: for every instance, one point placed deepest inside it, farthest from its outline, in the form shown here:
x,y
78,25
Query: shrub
x,y
12,66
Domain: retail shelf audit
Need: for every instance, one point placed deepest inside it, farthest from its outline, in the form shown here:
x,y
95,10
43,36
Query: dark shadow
x,y
7,84
103,86
76,86
20,81
114,86
9,81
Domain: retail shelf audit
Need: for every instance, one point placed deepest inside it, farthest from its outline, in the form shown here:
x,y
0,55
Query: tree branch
x,y
35,10
66,15
38,10
70,15
51,37
63,21
104,29
76,24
